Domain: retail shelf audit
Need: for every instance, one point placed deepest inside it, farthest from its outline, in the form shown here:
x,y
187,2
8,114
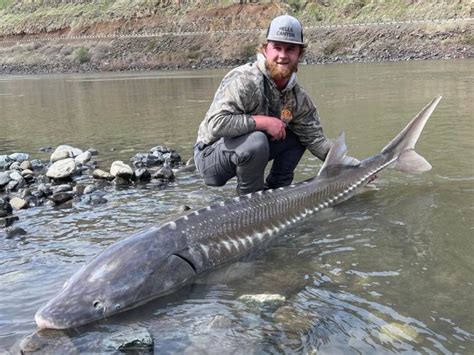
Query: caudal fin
x,y
403,145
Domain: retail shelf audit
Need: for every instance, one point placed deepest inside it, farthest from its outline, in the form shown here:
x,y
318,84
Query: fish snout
x,y
45,323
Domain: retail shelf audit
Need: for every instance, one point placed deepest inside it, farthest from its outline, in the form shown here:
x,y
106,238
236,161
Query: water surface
x,y
386,272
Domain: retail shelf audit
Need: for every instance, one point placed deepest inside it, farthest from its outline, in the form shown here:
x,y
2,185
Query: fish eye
x,y
117,307
97,304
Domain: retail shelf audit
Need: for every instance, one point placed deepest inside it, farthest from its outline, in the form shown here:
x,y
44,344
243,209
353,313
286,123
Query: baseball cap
x,y
285,28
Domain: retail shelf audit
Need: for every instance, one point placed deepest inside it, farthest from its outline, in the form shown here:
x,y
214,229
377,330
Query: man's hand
x,y
273,126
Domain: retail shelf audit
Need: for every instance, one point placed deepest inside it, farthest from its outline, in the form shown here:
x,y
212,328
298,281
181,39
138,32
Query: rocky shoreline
x,y
374,43
72,175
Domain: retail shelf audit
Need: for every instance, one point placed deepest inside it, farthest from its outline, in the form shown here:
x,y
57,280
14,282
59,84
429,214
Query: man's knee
x,y
255,149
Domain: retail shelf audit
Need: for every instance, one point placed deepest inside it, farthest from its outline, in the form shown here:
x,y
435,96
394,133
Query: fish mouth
x,y
44,323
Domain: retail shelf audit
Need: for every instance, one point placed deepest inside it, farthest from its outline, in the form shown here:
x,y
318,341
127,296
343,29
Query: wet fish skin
x,y
161,259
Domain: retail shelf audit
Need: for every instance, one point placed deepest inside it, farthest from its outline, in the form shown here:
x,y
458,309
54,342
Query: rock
x,y
15,175
220,322
89,189
101,174
19,157
56,156
83,157
120,169
294,320
61,188
93,151
136,341
26,165
45,149
173,158
4,179
142,175
93,200
12,186
5,161
42,191
61,197
142,159
46,341
164,173
160,148
36,164
8,221
18,203
26,172
120,181
15,166
62,169
263,299
13,232
5,207
184,208
78,190
72,152
395,332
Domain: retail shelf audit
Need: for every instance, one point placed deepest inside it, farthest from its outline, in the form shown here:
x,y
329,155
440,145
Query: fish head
x,y
126,275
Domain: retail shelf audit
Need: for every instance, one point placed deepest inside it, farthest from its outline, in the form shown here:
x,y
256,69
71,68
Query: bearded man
x,y
259,114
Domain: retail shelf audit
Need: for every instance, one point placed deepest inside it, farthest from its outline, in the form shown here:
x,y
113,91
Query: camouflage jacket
x,y
248,90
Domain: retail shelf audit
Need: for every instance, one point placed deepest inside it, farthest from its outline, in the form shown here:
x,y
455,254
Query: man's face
x,y
282,59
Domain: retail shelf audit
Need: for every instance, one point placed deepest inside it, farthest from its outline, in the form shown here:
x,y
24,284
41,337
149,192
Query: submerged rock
x,y
8,221
263,299
14,232
133,340
5,207
61,197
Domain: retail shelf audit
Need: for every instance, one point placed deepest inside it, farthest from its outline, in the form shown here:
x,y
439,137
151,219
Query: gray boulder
x,y
18,203
5,161
101,174
83,157
19,157
62,169
73,152
4,179
120,169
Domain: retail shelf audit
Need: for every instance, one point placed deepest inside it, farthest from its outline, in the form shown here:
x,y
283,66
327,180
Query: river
x,y
388,271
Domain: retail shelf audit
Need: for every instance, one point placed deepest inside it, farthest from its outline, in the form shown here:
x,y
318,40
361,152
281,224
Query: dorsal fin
x,y
335,157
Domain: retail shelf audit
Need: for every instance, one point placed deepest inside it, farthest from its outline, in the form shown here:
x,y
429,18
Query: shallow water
x,y
388,271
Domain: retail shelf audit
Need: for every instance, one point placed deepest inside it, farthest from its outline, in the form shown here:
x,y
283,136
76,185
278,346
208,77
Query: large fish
x,y
161,259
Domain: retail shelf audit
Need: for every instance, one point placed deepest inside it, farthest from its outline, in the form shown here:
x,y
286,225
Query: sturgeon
x,y
159,260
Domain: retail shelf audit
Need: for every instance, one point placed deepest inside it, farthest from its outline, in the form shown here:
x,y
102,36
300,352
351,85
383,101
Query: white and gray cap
x,y
285,28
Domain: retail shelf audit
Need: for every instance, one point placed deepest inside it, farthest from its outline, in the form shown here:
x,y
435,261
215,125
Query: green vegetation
x,y
81,55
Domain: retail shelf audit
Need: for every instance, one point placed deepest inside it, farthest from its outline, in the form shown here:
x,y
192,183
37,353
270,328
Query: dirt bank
x,y
221,37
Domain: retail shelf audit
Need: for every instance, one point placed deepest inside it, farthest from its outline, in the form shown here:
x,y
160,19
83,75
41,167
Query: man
x,y
259,113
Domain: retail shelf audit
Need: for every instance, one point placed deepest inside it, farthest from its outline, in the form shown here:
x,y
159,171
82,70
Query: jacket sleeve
x,y
308,128
230,112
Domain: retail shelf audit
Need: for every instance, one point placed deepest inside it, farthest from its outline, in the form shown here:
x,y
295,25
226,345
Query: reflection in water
x,y
388,271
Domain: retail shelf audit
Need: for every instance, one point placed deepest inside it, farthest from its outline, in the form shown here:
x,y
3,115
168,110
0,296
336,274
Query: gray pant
x,y
246,157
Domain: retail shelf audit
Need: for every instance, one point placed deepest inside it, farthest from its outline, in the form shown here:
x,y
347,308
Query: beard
x,y
277,73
